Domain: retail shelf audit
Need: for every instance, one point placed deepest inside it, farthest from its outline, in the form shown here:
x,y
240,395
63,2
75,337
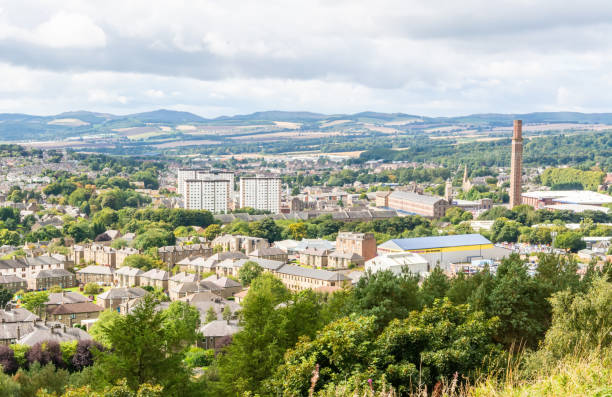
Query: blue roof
x,y
456,240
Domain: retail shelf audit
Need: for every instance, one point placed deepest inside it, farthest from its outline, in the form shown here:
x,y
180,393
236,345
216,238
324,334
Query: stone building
x,y
127,277
96,274
271,253
114,297
363,244
342,260
314,257
175,253
46,279
71,314
419,204
13,283
244,244
155,278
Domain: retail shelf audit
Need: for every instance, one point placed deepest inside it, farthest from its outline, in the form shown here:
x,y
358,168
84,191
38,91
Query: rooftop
x,y
418,243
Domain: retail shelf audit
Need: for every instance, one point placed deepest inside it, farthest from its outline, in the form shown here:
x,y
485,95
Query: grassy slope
x,y
585,377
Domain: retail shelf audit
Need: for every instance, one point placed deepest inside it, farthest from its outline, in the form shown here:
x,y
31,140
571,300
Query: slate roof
x,y
219,328
223,282
156,274
317,274
11,279
97,269
128,271
123,293
72,308
59,298
52,273
17,315
52,331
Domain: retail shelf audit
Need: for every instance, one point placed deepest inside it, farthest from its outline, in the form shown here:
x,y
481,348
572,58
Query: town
x,y
89,238
397,198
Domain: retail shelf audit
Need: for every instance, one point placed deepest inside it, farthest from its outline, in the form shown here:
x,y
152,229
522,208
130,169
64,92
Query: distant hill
x,y
275,115
20,127
166,116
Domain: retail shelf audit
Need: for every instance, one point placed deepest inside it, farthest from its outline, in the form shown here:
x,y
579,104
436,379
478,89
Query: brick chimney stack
x,y
516,165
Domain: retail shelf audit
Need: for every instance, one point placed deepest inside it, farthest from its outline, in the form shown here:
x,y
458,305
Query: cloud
x,y
436,57
69,30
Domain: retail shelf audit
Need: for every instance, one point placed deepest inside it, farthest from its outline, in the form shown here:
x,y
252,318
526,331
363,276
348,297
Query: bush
x,y
84,355
20,354
7,360
48,352
198,357
91,289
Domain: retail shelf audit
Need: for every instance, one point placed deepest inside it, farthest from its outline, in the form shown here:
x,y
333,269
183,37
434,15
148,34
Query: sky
x,y
212,58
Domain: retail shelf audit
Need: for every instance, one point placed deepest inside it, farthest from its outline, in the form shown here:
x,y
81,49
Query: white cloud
x,y
70,30
440,57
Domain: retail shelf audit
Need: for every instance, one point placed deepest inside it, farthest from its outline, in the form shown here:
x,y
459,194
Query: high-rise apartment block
x,y
201,194
204,189
516,165
194,173
261,193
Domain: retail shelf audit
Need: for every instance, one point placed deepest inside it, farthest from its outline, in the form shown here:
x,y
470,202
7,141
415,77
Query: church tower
x,y
466,185
516,165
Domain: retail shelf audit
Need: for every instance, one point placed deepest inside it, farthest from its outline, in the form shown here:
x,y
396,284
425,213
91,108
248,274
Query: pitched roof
x,y
17,315
220,328
59,298
96,269
268,251
54,332
53,273
71,308
11,279
223,282
128,271
317,274
156,274
123,293
183,277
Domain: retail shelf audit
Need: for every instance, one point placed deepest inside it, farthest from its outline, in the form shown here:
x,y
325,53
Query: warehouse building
x,y
444,250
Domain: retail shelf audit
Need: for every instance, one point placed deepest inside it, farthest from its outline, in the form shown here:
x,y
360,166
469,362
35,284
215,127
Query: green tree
x,y
155,237
212,231
434,287
8,237
248,272
386,296
5,297
105,321
227,313
582,322
145,344
571,241
140,261
267,229
258,348
35,301
518,300
210,315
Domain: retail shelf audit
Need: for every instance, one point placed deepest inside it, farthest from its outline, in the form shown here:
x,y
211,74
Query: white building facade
x,y
211,195
261,193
